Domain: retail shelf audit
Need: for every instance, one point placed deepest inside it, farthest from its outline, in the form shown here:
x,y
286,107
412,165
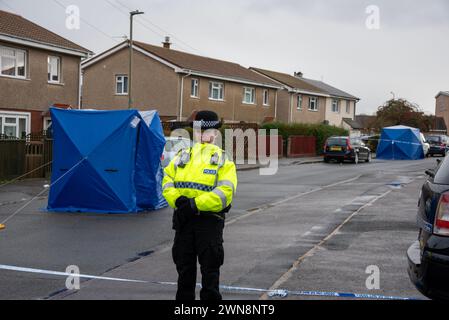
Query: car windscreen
x,y
337,141
176,145
434,139
442,173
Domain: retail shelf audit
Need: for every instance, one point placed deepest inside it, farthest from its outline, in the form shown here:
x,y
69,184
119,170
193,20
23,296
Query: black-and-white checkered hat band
x,y
207,124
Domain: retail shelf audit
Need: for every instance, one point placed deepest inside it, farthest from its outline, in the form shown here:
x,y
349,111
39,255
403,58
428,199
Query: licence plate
x,y
336,148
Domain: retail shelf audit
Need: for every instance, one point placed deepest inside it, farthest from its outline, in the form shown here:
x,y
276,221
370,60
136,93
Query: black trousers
x,y
200,239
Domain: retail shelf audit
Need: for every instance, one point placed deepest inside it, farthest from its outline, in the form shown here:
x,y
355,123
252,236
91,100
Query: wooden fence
x,y
19,157
12,158
300,146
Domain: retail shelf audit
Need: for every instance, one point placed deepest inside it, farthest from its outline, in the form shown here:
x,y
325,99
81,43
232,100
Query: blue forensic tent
x,y
106,161
400,143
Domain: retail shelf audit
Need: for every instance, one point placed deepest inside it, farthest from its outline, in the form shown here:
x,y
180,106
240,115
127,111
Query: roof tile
x,y
205,65
19,27
305,84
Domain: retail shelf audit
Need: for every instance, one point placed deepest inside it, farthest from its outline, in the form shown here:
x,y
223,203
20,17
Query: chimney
x,y
298,74
166,44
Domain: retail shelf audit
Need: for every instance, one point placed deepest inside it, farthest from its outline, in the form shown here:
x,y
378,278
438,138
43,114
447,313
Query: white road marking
x,y
277,203
286,276
64,274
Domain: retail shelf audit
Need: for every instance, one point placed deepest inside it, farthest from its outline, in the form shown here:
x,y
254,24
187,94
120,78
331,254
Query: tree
x,y
402,112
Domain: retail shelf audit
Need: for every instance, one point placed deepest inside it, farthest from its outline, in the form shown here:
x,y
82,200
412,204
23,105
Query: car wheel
x,y
356,159
369,158
326,160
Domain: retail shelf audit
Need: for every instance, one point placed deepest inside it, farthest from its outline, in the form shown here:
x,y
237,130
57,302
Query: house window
x,y
249,95
266,98
299,102
335,106
216,91
14,125
194,92
47,123
121,85
12,62
348,107
54,69
313,104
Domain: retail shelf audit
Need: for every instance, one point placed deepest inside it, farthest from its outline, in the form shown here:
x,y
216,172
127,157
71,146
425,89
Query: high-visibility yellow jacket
x,y
208,177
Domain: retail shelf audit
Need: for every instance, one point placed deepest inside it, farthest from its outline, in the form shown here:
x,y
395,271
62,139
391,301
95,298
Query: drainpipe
x,y
80,86
276,105
181,104
291,107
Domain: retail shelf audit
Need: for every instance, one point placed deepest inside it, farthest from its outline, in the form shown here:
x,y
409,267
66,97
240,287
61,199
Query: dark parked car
x,y
438,145
346,148
428,257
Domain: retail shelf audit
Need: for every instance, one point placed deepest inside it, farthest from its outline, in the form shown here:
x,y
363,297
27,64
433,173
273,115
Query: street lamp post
x,y
394,95
130,97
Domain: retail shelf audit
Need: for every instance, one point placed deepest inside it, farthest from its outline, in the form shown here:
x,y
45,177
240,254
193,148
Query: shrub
x,y
321,131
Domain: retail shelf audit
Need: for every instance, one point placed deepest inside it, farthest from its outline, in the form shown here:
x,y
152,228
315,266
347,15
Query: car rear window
x,y
337,141
175,145
434,139
356,141
442,173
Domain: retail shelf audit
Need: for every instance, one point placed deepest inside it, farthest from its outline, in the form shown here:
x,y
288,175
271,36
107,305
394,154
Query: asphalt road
x,y
275,221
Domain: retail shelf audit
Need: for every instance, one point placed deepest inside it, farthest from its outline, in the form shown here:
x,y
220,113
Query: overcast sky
x,y
325,39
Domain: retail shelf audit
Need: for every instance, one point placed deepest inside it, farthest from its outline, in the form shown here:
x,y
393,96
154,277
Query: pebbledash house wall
x,y
157,87
442,108
232,108
34,94
336,118
308,116
288,101
288,111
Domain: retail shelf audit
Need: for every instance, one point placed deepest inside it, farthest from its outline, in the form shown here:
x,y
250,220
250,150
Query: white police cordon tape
x,y
271,293
64,274
401,142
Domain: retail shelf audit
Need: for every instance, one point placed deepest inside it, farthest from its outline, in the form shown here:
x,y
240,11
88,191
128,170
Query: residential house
x,y
442,106
38,69
367,124
176,84
303,100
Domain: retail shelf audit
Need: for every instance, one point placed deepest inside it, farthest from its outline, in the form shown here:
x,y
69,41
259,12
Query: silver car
x,y
172,147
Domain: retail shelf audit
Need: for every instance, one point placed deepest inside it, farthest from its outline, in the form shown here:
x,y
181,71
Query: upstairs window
x,y
12,62
249,95
194,92
54,69
348,107
299,102
121,85
216,91
266,98
313,104
335,106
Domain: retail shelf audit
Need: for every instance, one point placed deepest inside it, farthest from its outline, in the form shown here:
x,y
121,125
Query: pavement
x,y
282,162
313,226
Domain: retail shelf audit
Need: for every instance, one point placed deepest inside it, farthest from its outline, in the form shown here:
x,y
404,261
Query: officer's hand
x,y
187,206
182,202
191,209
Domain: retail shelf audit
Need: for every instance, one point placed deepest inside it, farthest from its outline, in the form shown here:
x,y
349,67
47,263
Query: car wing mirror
x,y
430,173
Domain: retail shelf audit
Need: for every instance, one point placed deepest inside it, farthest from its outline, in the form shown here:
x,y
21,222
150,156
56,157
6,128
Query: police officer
x,y
200,184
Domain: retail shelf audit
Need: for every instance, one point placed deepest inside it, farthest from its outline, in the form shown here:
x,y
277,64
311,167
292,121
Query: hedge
x,y
321,131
